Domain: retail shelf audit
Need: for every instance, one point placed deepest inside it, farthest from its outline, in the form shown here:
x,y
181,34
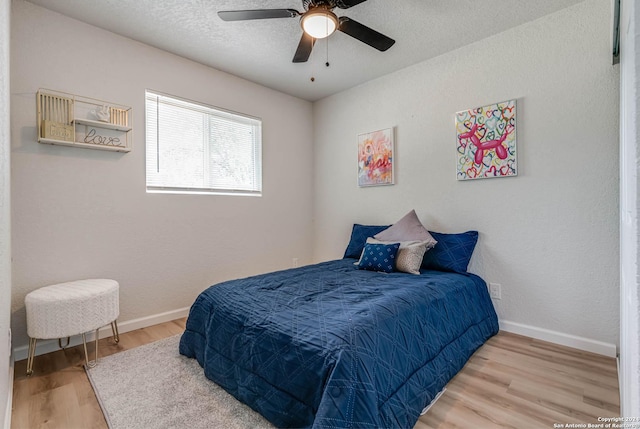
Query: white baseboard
x,y
7,411
573,341
619,383
154,319
48,346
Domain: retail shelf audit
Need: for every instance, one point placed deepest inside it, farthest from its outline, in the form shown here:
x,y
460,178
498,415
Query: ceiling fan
x,y
318,21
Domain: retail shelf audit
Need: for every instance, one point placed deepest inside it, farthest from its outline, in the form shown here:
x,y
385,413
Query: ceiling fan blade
x,y
243,15
346,4
304,48
365,34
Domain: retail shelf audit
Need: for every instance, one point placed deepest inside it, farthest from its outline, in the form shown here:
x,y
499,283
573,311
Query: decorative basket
x,y
57,131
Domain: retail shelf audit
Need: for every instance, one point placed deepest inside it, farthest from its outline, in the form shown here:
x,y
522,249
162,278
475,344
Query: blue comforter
x,y
331,346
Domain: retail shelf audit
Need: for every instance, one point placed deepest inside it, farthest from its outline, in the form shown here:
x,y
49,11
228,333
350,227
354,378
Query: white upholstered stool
x,y
72,308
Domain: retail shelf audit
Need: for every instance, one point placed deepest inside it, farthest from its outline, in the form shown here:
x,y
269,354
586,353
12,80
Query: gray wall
x,y
550,235
80,213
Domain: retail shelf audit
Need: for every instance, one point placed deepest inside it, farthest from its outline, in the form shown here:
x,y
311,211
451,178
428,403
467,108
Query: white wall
x,y
80,213
629,209
5,221
550,235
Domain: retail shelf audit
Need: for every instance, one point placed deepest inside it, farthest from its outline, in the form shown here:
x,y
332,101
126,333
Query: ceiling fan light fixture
x,y
319,23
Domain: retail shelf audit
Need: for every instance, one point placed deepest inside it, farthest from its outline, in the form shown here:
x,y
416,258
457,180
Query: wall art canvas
x,y
375,158
486,141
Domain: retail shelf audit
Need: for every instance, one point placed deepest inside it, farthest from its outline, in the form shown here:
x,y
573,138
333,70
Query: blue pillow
x,y
379,257
359,235
452,253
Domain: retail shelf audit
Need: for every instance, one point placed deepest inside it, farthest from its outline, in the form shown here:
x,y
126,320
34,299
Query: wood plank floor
x,y
510,382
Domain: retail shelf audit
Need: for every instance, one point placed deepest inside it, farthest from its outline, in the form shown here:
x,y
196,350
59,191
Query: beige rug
x,y
153,386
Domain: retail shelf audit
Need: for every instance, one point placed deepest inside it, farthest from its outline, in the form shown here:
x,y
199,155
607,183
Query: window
x,y
194,148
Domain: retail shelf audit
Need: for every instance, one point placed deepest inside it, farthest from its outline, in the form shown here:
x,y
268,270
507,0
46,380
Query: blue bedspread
x,y
331,346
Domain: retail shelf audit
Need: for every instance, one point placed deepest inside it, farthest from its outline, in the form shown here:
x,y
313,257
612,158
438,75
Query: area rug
x,y
153,386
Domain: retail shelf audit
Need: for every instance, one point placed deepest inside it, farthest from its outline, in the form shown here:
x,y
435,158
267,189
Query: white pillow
x,y
410,254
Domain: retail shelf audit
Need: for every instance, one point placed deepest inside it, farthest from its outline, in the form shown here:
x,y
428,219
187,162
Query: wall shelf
x,y
100,124
84,145
75,121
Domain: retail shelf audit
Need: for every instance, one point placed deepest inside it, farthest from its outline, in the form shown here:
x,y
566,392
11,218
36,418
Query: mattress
x,y
331,346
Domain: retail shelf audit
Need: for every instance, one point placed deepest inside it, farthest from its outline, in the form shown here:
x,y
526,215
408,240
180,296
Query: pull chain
x,y
327,63
313,79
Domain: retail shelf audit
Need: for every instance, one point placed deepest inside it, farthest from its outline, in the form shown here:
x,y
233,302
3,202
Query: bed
x,y
333,346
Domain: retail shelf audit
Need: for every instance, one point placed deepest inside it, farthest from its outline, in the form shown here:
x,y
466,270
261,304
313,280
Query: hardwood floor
x,y
59,395
518,382
510,382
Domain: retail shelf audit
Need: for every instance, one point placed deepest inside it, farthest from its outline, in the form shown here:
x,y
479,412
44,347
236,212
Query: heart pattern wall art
x,y
486,141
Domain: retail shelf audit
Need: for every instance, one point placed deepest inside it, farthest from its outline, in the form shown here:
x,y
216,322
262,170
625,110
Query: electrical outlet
x,y
294,262
495,290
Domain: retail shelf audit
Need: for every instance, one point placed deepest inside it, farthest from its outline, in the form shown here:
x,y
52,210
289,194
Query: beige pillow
x,y
409,228
410,254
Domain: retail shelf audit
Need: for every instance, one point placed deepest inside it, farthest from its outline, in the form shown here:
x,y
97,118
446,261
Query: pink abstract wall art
x,y
486,141
375,158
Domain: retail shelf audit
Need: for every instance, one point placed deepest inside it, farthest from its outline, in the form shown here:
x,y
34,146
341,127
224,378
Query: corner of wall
x,y
6,378
629,209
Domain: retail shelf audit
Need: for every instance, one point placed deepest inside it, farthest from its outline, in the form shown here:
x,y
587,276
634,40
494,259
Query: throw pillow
x,y
410,254
379,257
409,228
452,253
359,235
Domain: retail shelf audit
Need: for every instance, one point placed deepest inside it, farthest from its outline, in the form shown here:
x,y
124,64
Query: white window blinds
x,y
196,148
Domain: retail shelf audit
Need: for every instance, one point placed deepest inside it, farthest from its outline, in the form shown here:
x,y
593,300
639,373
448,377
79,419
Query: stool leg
x,y
60,343
97,337
92,363
114,329
31,355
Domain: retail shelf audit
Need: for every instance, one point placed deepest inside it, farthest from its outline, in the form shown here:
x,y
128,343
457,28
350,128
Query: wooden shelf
x,y
53,141
85,145
74,121
99,124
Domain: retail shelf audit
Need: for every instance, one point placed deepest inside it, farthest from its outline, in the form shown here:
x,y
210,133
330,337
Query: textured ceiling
x,y
262,50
